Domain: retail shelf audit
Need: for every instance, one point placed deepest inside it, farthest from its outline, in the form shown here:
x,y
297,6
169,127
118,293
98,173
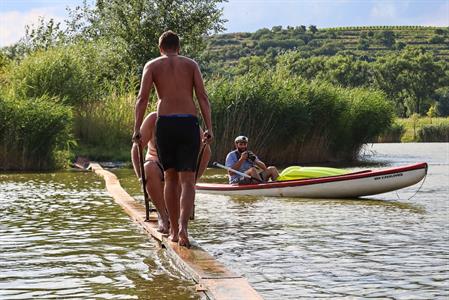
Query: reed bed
x,y
289,120
34,135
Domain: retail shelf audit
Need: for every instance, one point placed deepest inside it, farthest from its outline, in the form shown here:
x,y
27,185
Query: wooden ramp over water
x,y
213,279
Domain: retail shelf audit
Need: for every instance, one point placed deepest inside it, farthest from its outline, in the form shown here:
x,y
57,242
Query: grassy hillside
x,y
224,50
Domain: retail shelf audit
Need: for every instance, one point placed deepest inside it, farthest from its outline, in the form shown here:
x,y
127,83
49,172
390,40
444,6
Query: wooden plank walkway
x,y
212,278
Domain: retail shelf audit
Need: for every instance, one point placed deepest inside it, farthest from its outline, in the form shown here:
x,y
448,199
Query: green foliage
x,y
137,24
313,28
363,44
106,125
73,75
368,41
34,135
56,73
300,121
436,39
432,112
409,79
434,133
346,71
330,48
442,97
43,36
385,37
393,134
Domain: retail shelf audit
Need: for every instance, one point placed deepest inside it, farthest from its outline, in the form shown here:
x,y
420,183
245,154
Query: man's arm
x,y
142,99
260,164
234,163
203,101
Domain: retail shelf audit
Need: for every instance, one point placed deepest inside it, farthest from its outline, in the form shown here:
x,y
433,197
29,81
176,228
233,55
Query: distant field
x,y
411,132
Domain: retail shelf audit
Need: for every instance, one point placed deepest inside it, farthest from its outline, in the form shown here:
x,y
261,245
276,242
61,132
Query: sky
x,y
251,15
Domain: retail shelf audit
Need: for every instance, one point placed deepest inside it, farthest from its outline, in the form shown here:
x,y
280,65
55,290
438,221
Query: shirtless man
x,y
154,171
175,78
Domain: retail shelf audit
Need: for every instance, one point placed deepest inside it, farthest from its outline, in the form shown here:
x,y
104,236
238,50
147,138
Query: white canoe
x,y
362,183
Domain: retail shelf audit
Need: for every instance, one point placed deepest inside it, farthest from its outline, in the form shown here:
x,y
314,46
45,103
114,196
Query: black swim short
x,y
178,142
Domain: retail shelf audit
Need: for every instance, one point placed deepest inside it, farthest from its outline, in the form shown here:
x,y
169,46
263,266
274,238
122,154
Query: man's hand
x,y
136,137
244,156
208,136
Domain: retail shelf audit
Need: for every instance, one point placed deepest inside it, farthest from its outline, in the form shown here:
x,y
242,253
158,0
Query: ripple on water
x,y
63,237
299,248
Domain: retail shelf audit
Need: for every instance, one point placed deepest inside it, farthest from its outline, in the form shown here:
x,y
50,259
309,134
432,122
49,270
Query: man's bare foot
x,y
163,227
183,239
173,237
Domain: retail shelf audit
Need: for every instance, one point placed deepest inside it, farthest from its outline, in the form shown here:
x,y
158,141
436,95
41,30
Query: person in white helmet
x,y
245,161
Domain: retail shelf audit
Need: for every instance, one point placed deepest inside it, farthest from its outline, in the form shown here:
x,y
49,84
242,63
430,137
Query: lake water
x,y
61,236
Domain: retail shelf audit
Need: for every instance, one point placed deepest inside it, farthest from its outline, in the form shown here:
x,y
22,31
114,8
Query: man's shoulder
x,y
188,60
154,61
231,154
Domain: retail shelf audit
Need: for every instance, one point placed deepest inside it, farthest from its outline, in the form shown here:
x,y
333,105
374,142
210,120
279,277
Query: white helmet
x,y
241,138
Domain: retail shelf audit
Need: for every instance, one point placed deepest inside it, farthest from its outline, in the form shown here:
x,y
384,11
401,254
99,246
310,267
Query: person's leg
x,y
172,201
187,181
253,173
155,189
273,173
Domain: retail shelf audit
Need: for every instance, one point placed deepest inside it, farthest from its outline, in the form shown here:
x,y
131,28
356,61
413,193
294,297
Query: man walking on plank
x,y
175,78
154,171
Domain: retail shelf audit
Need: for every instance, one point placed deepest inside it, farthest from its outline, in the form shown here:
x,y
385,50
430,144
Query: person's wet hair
x,y
169,40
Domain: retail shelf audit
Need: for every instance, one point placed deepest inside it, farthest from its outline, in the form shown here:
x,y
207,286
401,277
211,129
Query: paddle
x,y
216,164
144,181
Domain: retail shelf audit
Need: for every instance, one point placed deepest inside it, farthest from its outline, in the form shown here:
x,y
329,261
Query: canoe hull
x,y
351,185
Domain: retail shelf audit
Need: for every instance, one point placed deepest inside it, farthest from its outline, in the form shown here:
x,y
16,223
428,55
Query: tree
x,y
432,112
442,97
386,38
346,71
409,79
136,25
313,28
363,44
43,36
436,39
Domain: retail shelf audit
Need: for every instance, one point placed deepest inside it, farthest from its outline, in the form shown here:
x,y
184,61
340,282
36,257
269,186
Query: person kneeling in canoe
x,y
245,161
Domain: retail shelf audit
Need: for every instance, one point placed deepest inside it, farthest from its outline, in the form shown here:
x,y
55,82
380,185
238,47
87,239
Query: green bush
x,y
34,135
436,39
58,73
434,133
73,74
291,120
393,134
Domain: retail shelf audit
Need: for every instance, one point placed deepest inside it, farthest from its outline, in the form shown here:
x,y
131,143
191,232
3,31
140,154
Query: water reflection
x,y
62,236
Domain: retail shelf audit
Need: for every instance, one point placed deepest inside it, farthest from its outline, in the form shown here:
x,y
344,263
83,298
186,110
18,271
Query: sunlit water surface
x,y
62,236
383,247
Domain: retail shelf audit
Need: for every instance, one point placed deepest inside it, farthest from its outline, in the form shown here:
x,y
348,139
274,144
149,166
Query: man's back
x,y
174,79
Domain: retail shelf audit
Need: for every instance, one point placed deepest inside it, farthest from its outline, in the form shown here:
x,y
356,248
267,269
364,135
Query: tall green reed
x,y
34,135
289,120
